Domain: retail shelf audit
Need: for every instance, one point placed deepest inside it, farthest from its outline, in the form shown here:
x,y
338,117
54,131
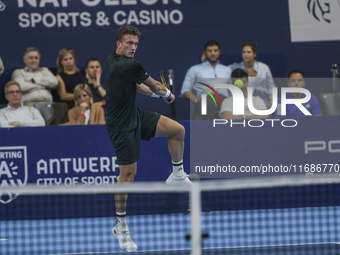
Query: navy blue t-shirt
x,y
292,110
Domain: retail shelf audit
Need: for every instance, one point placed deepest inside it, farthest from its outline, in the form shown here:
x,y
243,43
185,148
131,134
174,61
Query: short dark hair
x,y
127,30
90,60
296,71
252,45
211,43
239,73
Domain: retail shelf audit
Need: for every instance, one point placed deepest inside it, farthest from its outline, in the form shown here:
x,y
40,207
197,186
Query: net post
x,y
196,232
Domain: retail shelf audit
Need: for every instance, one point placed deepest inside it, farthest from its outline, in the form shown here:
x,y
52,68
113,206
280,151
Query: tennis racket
x,y
165,83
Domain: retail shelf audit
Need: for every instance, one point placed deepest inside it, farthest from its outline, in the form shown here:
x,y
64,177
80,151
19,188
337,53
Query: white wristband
x,y
155,95
168,93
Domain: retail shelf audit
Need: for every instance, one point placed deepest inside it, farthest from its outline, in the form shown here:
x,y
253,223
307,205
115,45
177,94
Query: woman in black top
x,y
69,75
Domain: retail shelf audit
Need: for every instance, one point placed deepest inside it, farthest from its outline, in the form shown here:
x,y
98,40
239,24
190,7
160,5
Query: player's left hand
x,y
169,99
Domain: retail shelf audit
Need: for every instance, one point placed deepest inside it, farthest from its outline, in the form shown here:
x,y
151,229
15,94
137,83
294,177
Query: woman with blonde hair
x,y
85,112
69,75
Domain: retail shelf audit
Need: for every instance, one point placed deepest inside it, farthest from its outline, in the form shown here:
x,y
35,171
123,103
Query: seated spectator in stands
x,y
227,104
69,75
296,80
206,72
36,82
210,68
2,68
16,114
94,72
259,74
85,112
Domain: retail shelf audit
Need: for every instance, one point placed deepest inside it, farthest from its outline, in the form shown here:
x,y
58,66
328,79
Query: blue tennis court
x,y
267,231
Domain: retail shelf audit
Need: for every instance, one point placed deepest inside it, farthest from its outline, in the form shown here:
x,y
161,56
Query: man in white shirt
x,y
211,72
227,104
16,114
36,82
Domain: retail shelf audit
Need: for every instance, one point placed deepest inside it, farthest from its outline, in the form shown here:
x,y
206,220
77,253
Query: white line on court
x,y
267,246
231,247
120,252
3,239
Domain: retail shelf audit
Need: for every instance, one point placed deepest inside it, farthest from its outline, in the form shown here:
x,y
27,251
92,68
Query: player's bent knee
x,y
180,131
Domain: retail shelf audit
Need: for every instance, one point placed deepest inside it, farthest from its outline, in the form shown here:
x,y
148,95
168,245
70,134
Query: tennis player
x,y
126,125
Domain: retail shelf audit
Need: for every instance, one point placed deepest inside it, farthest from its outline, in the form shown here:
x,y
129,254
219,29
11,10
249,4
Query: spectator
x,y
297,80
206,72
69,75
227,105
259,74
36,82
85,112
2,68
94,72
16,114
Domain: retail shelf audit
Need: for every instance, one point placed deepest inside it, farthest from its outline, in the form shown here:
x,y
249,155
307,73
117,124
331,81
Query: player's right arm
x,y
158,88
143,89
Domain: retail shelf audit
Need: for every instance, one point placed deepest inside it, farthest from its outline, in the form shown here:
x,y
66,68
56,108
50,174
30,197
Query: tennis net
x,y
288,215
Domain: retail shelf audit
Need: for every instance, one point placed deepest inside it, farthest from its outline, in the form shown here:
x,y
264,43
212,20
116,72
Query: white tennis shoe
x,y
124,239
173,179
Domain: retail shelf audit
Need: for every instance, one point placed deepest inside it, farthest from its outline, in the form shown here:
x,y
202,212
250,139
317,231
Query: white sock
x,y
121,218
177,169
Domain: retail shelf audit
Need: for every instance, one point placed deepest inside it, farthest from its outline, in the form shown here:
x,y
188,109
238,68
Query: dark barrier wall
x,y
83,155
70,155
73,155
174,32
